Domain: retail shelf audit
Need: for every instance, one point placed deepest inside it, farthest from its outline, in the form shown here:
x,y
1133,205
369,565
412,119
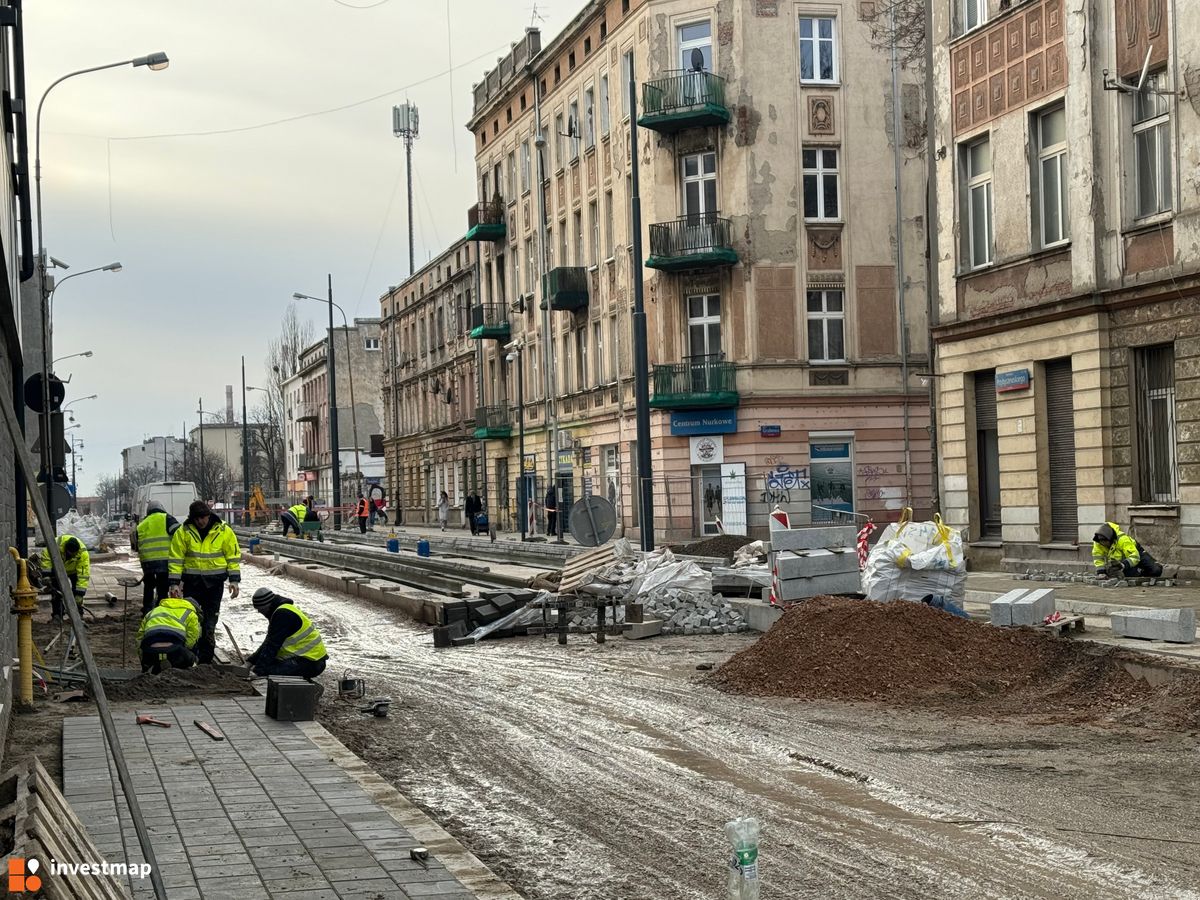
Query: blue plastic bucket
x,y
422,547
393,545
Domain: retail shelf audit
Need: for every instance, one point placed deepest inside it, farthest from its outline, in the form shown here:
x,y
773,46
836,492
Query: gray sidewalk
x,y
265,813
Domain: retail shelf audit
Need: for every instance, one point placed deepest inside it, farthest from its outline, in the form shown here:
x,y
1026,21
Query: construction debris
x,y
1167,580
810,562
915,559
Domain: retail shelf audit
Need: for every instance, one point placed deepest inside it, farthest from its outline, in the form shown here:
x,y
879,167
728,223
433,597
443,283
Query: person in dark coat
x,y
471,507
551,512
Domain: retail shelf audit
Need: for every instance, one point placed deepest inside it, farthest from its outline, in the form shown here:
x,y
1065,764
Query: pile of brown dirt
x,y
907,654
721,545
204,681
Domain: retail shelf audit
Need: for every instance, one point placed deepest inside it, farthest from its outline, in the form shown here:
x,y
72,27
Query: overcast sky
x,y
216,232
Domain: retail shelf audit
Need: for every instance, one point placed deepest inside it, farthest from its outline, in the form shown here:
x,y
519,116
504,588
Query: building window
x,y
704,325
525,166
1050,178
573,128
577,221
594,223
604,112
589,118
587,46
974,13
581,353
559,151
626,80
818,49
821,193
1154,394
370,343
530,262
695,46
826,326
700,184
598,353
512,177
1152,148
609,213
977,169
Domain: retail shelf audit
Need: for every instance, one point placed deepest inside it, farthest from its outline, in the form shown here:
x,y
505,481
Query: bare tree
x,y
211,473
110,489
907,31
282,362
266,447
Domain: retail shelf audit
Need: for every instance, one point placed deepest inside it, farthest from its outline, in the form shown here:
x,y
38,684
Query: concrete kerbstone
x,y
1001,607
1178,626
818,538
1033,608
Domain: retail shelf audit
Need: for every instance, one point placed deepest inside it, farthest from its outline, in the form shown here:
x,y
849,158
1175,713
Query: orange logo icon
x,y
22,876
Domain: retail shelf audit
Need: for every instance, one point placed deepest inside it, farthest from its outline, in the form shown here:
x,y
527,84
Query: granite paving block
x,y
803,588
807,563
814,538
1001,607
1033,607
1177,626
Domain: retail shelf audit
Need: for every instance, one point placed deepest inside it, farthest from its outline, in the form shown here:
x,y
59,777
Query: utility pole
x,y
641,377
336,469
406,124
245,452
203,470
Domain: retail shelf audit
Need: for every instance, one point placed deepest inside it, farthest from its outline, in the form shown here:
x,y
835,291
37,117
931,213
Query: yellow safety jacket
x,y
172,618
306,641
216,555
299,511
80,566
153,538
1123,548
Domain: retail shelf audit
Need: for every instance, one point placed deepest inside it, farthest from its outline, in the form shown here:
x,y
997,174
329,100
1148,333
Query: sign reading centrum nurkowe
x,y
705,421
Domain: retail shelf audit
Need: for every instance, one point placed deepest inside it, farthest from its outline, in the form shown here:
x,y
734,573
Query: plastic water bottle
x,y
743,834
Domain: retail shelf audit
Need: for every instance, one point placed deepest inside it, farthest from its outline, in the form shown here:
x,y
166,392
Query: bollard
x,y
24,606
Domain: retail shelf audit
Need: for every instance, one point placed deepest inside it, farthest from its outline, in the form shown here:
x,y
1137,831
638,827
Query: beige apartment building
x,y
777,334
429,387
1067,337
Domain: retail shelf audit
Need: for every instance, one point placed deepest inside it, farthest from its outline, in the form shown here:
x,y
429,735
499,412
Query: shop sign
x,y
706,421
707,450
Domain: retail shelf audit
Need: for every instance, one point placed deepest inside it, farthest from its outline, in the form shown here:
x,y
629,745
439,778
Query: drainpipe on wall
x,y
908,492
931,258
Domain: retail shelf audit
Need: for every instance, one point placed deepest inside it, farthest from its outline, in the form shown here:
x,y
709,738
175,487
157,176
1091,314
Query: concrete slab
x,y
759,615
816,538
1033,607
1178,626
307,804
807,563
803,588
639,630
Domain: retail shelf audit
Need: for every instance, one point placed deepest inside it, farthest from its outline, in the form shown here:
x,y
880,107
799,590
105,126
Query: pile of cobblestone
x,y
682,612
1094,580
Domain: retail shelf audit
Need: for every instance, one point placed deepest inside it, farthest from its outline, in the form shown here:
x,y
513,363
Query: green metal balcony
x,y
492,422
490,321
485,221
698,241
682,100
699,382
566,288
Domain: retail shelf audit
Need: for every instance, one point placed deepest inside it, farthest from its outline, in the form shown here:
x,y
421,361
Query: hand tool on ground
x,y
110,598
150,720
377,707
236,648
420,856
211,730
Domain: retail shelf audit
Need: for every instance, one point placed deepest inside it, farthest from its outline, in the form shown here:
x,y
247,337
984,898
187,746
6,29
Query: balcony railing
x,y
307,411
682,100
699,382
492,422
485,221
566,288
490,320
311,461
695,241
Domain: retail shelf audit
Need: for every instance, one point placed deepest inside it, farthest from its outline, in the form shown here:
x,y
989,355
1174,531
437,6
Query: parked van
x,y
175,496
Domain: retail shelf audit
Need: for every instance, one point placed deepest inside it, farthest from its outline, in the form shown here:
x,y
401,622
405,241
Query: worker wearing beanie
x,y
167,635
293,645
204,556
79,569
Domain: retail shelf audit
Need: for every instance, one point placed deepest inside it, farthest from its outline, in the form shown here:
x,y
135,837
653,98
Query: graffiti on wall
x,y
779,483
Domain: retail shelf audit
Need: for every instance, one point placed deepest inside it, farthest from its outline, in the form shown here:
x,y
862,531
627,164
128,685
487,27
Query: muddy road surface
x,y
607,772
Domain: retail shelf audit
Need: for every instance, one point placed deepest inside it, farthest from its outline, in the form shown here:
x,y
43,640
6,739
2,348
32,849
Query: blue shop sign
x,y
705,421
1016,380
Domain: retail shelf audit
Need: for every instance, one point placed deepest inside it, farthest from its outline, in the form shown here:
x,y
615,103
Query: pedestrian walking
x,y
471,508
204,556
363,511
152,541
381,510
551,512
293,645
443,511
168,635
79,569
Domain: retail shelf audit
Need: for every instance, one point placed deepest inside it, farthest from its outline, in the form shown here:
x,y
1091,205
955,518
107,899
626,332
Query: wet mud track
x,y
606,772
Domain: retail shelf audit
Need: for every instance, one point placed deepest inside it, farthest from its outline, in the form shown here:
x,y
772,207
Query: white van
x,y
175,496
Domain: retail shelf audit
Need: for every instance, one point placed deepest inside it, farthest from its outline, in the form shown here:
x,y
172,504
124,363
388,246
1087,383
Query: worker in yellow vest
x,y
293,645
204,556
168,634
292,517
79,569
152,541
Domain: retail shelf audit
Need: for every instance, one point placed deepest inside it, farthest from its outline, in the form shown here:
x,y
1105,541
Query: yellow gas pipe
x,y
25,605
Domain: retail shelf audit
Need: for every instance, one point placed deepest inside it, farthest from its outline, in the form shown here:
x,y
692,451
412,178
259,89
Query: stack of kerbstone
x,y
1022,607
810,562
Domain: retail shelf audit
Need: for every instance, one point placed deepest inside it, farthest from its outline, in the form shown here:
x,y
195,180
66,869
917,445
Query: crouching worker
x,y
168,634
292,517
1118,555
79,569
293,645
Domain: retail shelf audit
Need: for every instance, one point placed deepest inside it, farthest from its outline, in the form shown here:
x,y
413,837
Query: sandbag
x,y
914,559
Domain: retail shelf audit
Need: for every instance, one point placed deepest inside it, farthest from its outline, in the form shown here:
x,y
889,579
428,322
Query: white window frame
x,y
608,213
1054,155
627,73
816,42
589,117
820,171
1158,124
605,112
704,321
525,166
560,150
371,343
972,182
594,227
512,176
822,318
701,178
980,17
573,116
685,47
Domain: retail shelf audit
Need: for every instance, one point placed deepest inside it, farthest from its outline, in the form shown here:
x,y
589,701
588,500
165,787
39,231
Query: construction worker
x,y
291,518
168,634
152,541
293,645
363,511
204,555
1117,555
79,568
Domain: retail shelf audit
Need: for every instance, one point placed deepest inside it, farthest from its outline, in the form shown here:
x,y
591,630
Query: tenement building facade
x,y
1067,340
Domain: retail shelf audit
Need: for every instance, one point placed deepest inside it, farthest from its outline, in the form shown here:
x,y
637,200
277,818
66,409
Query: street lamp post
x,y
245,452
516,352
85,353
155,62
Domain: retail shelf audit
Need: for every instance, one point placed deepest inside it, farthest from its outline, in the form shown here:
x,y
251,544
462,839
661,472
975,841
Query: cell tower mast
x,y
405,124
